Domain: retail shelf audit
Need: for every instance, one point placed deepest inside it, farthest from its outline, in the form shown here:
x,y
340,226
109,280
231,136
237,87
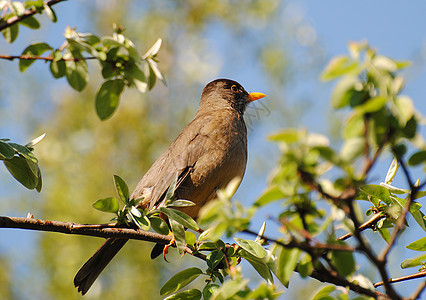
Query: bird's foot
x,y
166,248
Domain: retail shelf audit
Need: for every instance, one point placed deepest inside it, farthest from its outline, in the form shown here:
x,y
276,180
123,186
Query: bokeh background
x,y
271,46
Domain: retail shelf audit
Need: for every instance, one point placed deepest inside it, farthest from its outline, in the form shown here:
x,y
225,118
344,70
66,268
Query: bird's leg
x,y
166,248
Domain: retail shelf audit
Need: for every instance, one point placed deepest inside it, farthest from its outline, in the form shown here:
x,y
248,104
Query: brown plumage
x,y
207,155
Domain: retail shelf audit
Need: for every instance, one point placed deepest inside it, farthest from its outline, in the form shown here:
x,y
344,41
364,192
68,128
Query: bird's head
x,y
227,92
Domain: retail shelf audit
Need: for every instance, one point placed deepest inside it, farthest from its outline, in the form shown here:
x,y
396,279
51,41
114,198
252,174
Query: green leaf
x,y
142,222
137,77
11,33
109,204
230,288
272,194
214,258
352,149
6,151
393,168
259,265
159,225
192,294
35,141
252,247
180,280
20,169
77,72
305,266
372,105
171,190
50,13
417,158
419,245
338,66
32,50
153,50
180,217
209,290
122,188
377,191
30,22
58,68
405,109
344,91
108,97
181,203
343,261
418,216
414,262
24,151
354,126
324,292
287,263
179,235
288,136
190,238
156,70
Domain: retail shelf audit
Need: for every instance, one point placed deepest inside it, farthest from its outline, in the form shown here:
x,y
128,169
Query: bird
x,y
209,152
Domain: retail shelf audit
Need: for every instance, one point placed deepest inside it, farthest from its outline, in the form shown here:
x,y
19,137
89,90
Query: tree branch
x,y
403,278
45,58
28,13
368,224
105,231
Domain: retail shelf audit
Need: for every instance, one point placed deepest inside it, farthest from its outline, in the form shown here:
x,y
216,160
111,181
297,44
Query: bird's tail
x,y
88,273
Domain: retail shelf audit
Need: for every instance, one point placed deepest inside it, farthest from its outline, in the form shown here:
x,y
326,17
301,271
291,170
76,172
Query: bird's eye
x,y
235,89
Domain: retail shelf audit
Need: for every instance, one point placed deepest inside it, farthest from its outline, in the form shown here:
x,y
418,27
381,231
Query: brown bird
x,y
207,155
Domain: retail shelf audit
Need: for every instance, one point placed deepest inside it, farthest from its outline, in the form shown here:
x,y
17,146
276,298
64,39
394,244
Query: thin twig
x,y
28,13
303,245
45,58
401,219
368,224
403,278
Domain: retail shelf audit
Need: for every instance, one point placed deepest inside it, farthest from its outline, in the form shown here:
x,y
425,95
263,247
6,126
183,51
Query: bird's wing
x,y
178,160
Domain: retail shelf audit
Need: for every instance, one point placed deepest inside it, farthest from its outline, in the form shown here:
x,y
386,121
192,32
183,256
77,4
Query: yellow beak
x,y
256,96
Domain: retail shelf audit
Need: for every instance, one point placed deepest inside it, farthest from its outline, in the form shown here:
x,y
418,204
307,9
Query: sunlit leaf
x,y
414,262
159,225
77,72
338,66
192,294
108,97
252,247
20,169
272,194
6,151
30,22
109,204
419,245
287,263
405,109
393,168
179,235
180,217
180,280
417,158
324,292
343,92
214,258
32,50
10,33
122,188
